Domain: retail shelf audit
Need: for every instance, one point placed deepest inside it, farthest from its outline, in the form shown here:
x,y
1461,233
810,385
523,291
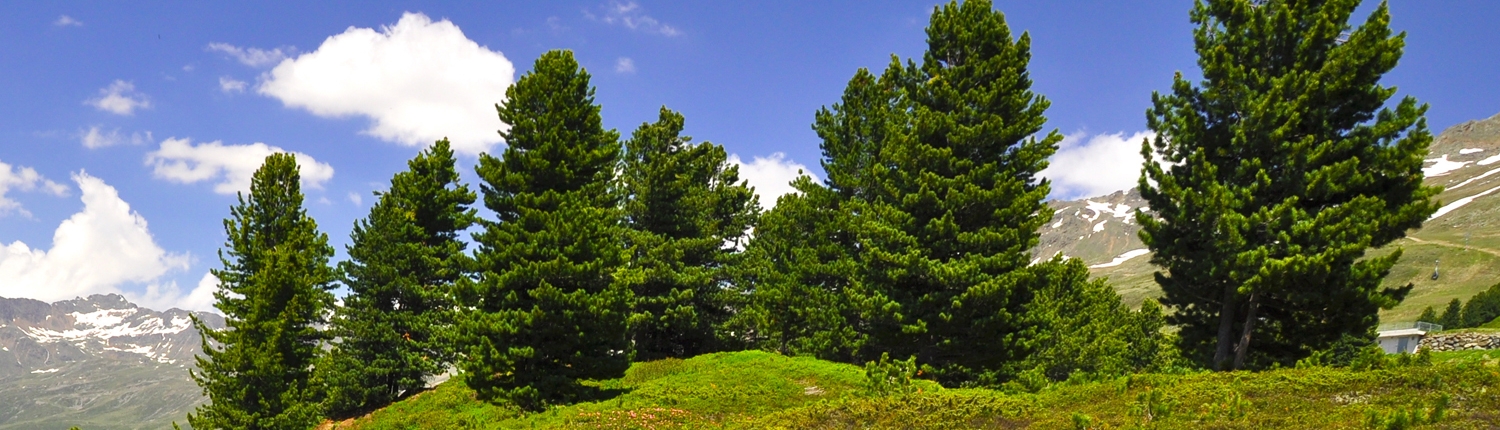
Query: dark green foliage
x,y
1428,315
797,278
1079,326
403,263
955,202
274,290
688,211
1453,315
1272,177
546,310
1482,308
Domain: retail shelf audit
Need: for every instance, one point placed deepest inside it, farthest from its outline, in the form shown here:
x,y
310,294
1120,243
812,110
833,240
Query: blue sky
x,y
126,128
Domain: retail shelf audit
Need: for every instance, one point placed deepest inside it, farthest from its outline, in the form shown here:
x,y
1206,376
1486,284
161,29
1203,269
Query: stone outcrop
x,y
1461,341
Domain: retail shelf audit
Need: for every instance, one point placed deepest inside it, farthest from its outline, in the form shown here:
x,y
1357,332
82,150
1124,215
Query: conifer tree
x,y
956,203
687,210
546,310
1428,315
1453,315
1271,178
403,263
273,291
797,277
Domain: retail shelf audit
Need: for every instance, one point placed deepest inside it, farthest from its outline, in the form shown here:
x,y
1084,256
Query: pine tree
x,y
687,211
1453,315
1271,178
956,203
274,290
546,310
403,263
800,269
1428,315
797,277
1482,308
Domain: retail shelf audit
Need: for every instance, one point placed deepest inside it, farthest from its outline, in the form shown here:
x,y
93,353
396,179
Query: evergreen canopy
x,y
1271,178
546,310
273,291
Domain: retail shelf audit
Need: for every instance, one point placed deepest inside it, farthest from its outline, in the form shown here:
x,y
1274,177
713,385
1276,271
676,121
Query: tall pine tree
x,y
546,310
1277,172
403,263
688,211
273,291
956,203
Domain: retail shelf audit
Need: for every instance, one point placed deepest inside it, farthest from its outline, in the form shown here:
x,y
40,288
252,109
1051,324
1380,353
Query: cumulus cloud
x,y
1088,166
417,81
67,21
253,57
630,15
771,176
624,65
24,179
119,98
161,297
96,137
230,166
230,86
95,251
356,199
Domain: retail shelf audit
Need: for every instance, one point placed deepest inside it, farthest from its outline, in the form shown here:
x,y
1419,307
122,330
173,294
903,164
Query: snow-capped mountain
x,y
96,362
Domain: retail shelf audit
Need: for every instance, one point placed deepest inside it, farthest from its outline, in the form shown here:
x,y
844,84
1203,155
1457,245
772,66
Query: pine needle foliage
x,y
273,292
1271,178
404,259
687,211
546,310
955,202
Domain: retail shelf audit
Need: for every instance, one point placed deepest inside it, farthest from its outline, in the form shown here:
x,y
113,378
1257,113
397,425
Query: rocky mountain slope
x,y
1461,241
100,362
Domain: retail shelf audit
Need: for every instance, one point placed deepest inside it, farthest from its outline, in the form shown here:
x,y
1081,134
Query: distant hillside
x,y
1461,241
98,363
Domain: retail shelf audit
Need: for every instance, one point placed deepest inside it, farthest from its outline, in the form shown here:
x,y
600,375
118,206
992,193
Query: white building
x,y
1404,337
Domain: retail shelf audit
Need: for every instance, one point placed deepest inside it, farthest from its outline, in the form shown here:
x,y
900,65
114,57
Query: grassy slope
x,y
754,389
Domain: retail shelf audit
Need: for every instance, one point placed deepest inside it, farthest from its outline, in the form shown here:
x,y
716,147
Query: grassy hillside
x,y
755,389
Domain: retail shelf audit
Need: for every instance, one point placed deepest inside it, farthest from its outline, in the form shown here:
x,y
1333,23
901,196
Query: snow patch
x,y
1459,203
1100,226
1099,209
1460,184
1122,258
108,323
1057,224
1442,166
45,371
1489,161
1467,151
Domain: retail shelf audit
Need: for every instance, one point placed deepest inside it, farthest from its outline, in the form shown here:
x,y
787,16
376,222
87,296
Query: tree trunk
x,y
1226,328
1243,348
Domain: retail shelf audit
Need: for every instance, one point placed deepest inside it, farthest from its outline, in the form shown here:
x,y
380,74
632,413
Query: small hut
x,y
1400,338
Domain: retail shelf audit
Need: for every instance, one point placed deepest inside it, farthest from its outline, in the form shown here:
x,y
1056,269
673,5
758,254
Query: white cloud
x,y
160,297
231,166
1088,166
418,81
631,16
24,179
356,199
93,252
253,57
67,21
230,86
119,98
624,65
95,137
771,176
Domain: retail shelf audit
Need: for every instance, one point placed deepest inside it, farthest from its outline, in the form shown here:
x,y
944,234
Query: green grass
x,y
751,389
